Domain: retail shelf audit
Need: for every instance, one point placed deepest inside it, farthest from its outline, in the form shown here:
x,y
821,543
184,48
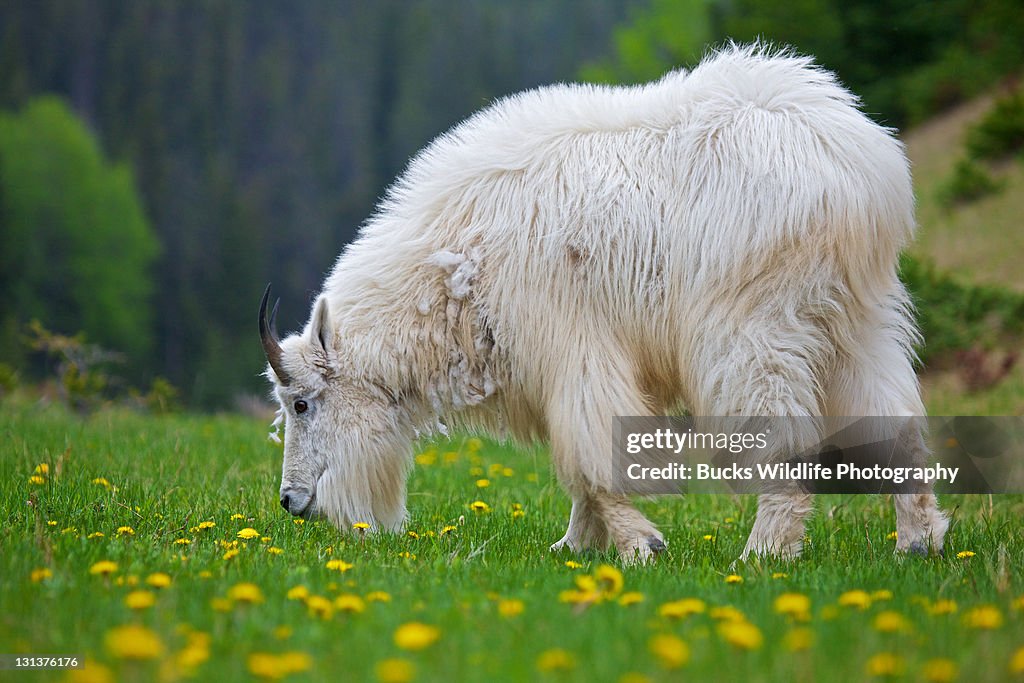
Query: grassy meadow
x,y
155,547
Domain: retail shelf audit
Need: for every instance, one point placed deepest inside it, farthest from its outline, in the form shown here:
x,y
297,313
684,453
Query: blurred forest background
x,y
160,161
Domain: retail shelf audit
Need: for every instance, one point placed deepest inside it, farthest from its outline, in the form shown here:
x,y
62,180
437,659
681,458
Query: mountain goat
x,y
723,240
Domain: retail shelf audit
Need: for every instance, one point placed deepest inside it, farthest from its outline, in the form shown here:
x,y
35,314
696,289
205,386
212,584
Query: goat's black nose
x,y
284,502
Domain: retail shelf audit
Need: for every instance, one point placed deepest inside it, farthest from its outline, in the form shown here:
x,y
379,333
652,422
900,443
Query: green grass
x,y
173,472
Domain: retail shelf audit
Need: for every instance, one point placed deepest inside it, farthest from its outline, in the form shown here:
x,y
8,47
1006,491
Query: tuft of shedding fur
x,y
723,240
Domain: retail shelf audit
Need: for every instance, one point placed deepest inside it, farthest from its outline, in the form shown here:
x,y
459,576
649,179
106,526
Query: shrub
x,y
970,181
1001,132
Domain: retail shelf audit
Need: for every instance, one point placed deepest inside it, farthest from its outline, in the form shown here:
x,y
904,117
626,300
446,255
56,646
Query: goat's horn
x,y
268,335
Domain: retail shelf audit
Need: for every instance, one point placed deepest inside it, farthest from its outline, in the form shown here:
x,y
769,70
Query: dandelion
x,y
943,606
631,598
741,634
891,536
708,537
1017,661
479,506
230,554
339,565
609,579
407,555
555,659
939,670
447,530
103,568
140,599
36,480
206,525
880,595
426,457
413,535
40,574
680,609
298,522
734,578
133,642
91,672
780,575
51,522
416,636
726,613
297,593
964,555
483,483
235,517
158,580
891,622
795,605
245,592
248,533
798,640
394,671
319,606
378,596
670,650
884,664
351,604
510,608
125,531
572,565
274,550
206,574
855,598
101,481
984,617
270,666
360,526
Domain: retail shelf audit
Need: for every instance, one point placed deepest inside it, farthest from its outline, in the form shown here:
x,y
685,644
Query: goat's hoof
x,y
656,544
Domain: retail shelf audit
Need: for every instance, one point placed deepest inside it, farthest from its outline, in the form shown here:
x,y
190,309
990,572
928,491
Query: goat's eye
x,y
300,406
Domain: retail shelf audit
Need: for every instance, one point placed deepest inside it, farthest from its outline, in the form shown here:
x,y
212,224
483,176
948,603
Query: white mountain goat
x,y
723,240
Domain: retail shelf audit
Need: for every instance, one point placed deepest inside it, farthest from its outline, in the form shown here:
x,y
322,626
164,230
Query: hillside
x,y
982,241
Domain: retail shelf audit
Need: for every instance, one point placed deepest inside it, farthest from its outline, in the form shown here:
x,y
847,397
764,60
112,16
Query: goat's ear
x,y
321,332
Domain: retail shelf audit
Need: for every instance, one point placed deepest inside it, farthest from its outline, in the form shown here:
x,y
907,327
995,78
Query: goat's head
x,y
346,436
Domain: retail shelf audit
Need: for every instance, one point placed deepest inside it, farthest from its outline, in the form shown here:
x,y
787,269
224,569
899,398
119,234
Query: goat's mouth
x,y
298,503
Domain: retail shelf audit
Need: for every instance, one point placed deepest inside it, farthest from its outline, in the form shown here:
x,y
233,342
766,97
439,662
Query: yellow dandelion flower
x,y
274,550
483,483
248,533
36,480
572,565
609,580
680,609
631,598
51,523
103,568
510,607
40,574
236,517
352,604
69,530
298,522
708,537
133,642
795,605
265,539
555,659
891,622
426,457
413,535
42,468
230,554
984,617
1017,661
964,555
634,677
297,593
360,526
206,574
734,578
798,640
206,525
245,592
726,613
940,670
140,599
158,580
741,634
479,506
881,595
884,664
319,606
891,536
447,530
378,596
394,671
339,565
220,604
416,636
780,575
182,541
944,606
670,650
264,665
125,531
507,472
855,598
91,672
101,481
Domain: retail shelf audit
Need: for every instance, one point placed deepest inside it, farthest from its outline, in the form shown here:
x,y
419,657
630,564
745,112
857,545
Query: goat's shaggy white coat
x,y
723,240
